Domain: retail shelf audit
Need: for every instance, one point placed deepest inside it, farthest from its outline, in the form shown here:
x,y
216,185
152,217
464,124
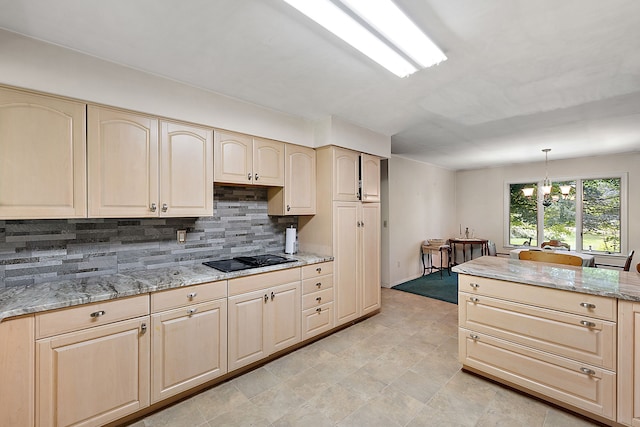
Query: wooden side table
x,y
484,249
444,250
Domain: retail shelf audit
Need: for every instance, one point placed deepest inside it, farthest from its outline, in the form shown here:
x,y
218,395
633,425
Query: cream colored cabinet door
x,y
298,196
94,376
629,363
247,329
123,164
189,347
268,162
346,232
284,324
186,170
346,165
370,229
370,173
42,157
233,157
17,361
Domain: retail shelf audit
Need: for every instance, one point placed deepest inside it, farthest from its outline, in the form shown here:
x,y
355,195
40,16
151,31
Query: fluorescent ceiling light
x,y
342,25
392,23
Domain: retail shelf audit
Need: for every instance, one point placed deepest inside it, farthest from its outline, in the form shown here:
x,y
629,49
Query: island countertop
x,y
619,284
20,300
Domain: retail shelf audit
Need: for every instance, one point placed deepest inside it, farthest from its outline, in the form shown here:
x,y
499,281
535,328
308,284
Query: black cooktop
x,y
247,262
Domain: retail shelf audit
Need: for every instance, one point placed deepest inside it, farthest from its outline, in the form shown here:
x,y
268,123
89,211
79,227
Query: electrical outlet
x,y
182,236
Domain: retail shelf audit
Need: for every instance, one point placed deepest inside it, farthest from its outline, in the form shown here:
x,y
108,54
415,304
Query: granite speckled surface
x,y
19,300
597,281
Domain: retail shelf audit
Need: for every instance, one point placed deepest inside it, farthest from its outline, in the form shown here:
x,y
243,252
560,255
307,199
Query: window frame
x,y
624,203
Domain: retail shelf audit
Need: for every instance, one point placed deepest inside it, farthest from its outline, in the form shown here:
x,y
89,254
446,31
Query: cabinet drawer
x,y
581,338
315,270
241,285
89,315
317,284
317,320
577,384
188,295
556,299
317,298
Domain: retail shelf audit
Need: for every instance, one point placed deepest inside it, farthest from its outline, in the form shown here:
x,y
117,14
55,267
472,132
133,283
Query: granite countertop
x,y
589,280
19,300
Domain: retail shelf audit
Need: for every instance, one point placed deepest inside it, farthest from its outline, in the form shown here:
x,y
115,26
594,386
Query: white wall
x,y
337,131
421,206
480,193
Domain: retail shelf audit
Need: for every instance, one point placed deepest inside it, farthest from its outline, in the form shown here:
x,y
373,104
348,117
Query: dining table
x,y
587,259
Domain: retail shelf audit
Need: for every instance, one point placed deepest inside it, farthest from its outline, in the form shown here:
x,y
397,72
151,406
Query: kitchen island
x,y
562,333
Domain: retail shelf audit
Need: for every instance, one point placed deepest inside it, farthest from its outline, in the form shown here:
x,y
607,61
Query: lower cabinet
x,y
263,321
629,363
317,299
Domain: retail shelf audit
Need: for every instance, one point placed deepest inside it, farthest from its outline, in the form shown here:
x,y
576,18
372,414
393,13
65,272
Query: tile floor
x,y
398,368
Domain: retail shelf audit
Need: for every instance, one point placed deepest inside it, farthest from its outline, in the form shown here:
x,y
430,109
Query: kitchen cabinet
x,y
346,174
629,363
243,159
42,157
97,373
555,343
17,360
317,299
132,173
298,196
189,342
264,315
370,177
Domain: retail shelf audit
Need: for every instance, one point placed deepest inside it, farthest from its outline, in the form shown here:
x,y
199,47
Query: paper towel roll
x,y
290,241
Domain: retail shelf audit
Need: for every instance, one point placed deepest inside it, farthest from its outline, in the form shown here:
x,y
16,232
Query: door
x,y
186,170
94,376
346,264
346,168
123,164
247,329
42,157
300,182
370,229
268,162
284,323
233,157
189,347
17,361
370,172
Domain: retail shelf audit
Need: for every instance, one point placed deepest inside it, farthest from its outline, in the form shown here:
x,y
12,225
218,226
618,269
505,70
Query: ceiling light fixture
x,y
337,21
547,185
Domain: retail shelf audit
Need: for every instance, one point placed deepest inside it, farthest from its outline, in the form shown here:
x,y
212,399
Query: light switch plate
x,y
182,236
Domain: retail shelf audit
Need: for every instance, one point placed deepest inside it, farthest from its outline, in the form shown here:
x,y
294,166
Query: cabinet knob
x,y
266,298
318,310
143,328
587,323
587,305
319,269
192,295
473,336
153,207
272,296
319,299
587,371
192,311
249,176
319,285
165,207
474,299
474,285
288,208
256,177
98,313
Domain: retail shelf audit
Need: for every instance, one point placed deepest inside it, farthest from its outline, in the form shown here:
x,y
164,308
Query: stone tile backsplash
x,y
37,251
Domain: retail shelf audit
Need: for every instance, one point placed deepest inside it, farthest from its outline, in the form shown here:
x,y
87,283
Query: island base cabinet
x,y
629,363
579,385
94,376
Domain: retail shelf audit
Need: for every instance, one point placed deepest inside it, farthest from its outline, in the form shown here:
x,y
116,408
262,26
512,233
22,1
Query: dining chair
x,y
553,257
625,267
556,244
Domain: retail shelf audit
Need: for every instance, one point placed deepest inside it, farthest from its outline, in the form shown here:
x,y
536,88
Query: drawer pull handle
x,y
587,323
318,310
473,336
249,176
143,328
319,284
319,299
192,295
474,285
153,207
288,208
474,299
192,311
256,177
319,269
272,296
587,305
266,298
587,371
164,207
98,313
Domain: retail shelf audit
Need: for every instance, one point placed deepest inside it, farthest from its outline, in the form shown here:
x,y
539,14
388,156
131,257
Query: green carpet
x,y
432,286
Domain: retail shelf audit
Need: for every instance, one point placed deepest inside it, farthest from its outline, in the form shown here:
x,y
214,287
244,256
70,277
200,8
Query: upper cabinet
x,y
133,173
370,178
42,157
298,196
346,164
243,159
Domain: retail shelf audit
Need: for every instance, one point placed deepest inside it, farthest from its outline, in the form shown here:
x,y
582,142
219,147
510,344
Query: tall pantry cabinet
x,y
347,227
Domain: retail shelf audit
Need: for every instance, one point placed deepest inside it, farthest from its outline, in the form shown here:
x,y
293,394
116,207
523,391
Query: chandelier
x,y
546,185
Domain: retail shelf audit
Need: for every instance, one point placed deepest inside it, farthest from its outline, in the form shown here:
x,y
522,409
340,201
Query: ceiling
x,y
522,75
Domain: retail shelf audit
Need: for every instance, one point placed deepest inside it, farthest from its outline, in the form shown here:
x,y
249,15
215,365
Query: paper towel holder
x,y
291,241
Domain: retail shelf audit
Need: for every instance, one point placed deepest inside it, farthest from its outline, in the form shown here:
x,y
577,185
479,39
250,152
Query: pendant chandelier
x,y
546,185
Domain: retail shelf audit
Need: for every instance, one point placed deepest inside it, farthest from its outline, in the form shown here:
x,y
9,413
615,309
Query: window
x,y
590,217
